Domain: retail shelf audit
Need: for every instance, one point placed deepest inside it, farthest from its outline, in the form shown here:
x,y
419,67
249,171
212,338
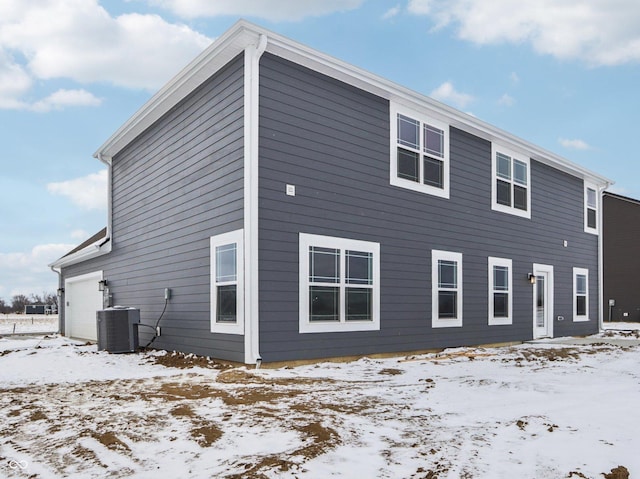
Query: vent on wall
x,y
118,329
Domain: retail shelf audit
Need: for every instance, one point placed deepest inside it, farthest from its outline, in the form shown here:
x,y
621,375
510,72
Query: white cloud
x,y
506,100
597,32
88,192
79,235
275,10
392,12
79,40
446,93
574,144
515,79
63,98
27,272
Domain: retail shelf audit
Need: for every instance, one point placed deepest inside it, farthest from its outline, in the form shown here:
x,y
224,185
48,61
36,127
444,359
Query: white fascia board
x,y
244,33
94,250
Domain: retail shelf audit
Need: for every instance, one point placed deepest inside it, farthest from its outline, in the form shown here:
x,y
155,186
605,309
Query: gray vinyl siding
x,y
179,183
331,141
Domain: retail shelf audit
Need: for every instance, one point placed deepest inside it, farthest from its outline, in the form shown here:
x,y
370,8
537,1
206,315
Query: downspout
x,y
252,54
60,294
601,257
107,160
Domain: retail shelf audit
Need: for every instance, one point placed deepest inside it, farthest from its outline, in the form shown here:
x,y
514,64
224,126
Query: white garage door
x,y
82,300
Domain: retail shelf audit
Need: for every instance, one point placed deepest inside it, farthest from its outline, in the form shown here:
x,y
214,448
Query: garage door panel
x,y
82,300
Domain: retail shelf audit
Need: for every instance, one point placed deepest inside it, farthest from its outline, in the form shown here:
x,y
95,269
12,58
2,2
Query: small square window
x,y
448,276
359,304
324,303
359,267
408,165
433,172
447,304
500,305
433,141
520,197
504,166
324,265
503,193
226,304
408,132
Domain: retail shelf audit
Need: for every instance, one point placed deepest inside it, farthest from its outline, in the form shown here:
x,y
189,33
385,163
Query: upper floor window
x,y
446,289
419,152
511,184
590,209
339,284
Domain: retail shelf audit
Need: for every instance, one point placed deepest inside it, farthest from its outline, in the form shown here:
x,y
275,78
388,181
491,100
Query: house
x,y
291,206
620,233
34,309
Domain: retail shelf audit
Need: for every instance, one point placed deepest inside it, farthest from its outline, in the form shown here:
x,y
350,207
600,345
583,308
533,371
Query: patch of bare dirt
x,y
186,361
619,472
206,435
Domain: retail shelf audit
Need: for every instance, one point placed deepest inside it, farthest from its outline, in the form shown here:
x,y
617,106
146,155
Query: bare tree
x,y
18,302
4,307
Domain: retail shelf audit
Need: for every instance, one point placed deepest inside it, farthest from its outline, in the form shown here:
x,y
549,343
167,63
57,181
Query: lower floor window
x,y
500,291
227,283
339,284
580,294
446,276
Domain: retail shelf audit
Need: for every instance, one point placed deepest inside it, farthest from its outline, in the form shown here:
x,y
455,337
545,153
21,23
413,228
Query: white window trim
x,y
576,318
495,148
306,326
436,322
393,170
595,230
236,237
493,321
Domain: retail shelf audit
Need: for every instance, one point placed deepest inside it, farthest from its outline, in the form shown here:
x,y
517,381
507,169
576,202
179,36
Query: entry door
x,y
543,302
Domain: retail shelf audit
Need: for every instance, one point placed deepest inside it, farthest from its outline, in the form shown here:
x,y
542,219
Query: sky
x,y
562,74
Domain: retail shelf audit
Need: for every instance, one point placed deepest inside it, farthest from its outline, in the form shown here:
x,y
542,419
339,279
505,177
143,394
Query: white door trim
x,y
539,269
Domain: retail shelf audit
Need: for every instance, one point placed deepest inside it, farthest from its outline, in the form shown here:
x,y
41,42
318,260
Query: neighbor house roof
x,y
243,34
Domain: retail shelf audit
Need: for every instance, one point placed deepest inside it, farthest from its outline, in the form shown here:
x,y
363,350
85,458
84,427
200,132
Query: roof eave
x,y
244,33
94,250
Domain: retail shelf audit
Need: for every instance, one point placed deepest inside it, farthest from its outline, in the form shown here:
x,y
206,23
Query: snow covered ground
x,y
543,410
28,323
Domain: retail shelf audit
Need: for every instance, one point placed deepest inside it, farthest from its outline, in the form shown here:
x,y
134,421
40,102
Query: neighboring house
x,y
298,207
620,233
34,309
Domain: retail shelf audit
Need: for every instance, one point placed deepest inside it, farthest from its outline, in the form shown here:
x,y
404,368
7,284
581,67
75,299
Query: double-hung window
x,y
419,152
339,284
511,188
590,209
446,289
227,285
580,294
500,291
